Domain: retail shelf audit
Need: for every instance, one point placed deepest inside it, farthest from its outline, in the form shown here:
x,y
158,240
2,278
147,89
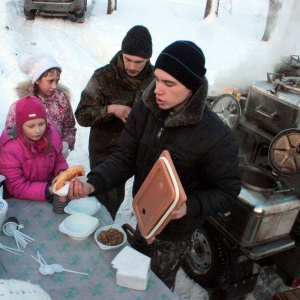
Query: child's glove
x,y
65,149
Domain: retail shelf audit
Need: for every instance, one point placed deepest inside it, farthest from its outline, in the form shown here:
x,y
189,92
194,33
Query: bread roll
x,y
68,175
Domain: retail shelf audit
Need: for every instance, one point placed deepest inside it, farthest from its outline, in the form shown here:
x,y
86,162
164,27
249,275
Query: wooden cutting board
x,y
159,194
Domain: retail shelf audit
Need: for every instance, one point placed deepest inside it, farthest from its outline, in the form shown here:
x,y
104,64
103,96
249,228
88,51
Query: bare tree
x,y
212,7
227,6
111,6
273,12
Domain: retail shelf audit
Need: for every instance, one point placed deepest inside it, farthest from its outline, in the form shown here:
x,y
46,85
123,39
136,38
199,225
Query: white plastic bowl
x,y
79,226
2,179
87,205
105,247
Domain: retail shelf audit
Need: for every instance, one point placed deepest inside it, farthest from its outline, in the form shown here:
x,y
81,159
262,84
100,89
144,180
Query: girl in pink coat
x,y
30,153
44,75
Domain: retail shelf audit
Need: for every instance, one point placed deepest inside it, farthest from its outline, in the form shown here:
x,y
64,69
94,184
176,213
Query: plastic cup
x,y
10,225
3,212
58,206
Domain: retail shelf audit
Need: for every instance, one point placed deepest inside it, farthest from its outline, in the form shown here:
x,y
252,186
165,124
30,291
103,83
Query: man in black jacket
x,y
172,115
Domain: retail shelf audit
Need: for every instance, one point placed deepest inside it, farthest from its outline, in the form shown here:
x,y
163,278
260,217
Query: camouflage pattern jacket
x,y
107,86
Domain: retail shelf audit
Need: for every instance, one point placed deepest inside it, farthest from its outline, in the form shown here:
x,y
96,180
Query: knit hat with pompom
x,y
35,66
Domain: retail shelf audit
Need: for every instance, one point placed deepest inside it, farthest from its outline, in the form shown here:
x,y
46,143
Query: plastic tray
x,y
160,193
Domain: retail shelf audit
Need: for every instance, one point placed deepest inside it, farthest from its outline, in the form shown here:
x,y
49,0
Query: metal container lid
x,y
284,152
228,108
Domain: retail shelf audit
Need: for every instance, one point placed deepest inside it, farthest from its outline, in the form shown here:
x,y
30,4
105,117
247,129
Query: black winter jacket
x,y
204,151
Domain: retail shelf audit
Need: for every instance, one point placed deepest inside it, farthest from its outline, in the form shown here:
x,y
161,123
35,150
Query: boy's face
x,y
170,93
134,65
48,83
34,129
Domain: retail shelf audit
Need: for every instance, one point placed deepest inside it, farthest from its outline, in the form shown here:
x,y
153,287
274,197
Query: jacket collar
x,y
25,88
192,112
126,80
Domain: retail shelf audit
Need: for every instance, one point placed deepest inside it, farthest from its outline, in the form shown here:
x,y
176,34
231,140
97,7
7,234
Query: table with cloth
x,y
41,224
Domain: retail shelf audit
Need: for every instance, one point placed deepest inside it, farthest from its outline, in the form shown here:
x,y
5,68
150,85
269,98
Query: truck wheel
x,y
206,263
80,17
30,15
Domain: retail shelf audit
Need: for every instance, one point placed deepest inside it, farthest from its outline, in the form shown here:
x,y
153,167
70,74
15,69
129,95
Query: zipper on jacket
x,y
159,133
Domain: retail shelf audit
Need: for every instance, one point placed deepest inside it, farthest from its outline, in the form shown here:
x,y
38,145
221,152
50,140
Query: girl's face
x,y
34,129
47,84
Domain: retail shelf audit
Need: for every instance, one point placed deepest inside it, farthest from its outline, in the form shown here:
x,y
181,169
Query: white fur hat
x,y
35,66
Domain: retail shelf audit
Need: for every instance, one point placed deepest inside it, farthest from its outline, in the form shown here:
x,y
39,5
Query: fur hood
x,y
25,88
192,112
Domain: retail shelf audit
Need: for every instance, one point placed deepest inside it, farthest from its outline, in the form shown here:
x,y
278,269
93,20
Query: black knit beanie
x,y
138,42
185,61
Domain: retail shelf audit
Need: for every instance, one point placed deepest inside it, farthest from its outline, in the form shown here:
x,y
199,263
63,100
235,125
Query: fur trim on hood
x,y
192,112
25,88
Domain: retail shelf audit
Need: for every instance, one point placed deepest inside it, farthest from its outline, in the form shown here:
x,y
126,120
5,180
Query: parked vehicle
x,y
55,8
263,226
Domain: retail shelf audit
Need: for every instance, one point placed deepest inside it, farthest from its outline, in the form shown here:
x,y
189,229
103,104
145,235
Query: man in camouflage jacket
x,y
108,98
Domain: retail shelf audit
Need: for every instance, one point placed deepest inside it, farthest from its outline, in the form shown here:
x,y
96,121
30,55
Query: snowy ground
x,y
232,44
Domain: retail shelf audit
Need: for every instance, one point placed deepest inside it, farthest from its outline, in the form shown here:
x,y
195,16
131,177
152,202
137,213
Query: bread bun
x,y
68,175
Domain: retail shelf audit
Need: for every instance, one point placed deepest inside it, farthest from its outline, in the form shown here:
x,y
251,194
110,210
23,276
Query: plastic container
x,y
105,247
88,206
2,179
3,211
79,226
159,194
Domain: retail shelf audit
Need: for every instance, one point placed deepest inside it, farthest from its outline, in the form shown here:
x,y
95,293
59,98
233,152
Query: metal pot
x,y
284,157
258,179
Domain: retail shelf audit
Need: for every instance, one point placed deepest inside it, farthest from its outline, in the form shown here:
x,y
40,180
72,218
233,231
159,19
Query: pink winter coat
x,y
58,109
27,172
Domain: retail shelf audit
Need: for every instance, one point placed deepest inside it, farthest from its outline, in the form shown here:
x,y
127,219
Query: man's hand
x,y
179,211
78,189
120,111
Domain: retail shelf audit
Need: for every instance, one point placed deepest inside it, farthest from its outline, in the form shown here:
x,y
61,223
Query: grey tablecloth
x,y
85,256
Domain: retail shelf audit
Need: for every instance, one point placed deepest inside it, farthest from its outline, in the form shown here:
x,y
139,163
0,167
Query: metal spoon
x,y
59,268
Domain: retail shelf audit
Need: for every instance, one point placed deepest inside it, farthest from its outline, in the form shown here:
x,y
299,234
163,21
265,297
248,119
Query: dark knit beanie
x,y
138,42
185,61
